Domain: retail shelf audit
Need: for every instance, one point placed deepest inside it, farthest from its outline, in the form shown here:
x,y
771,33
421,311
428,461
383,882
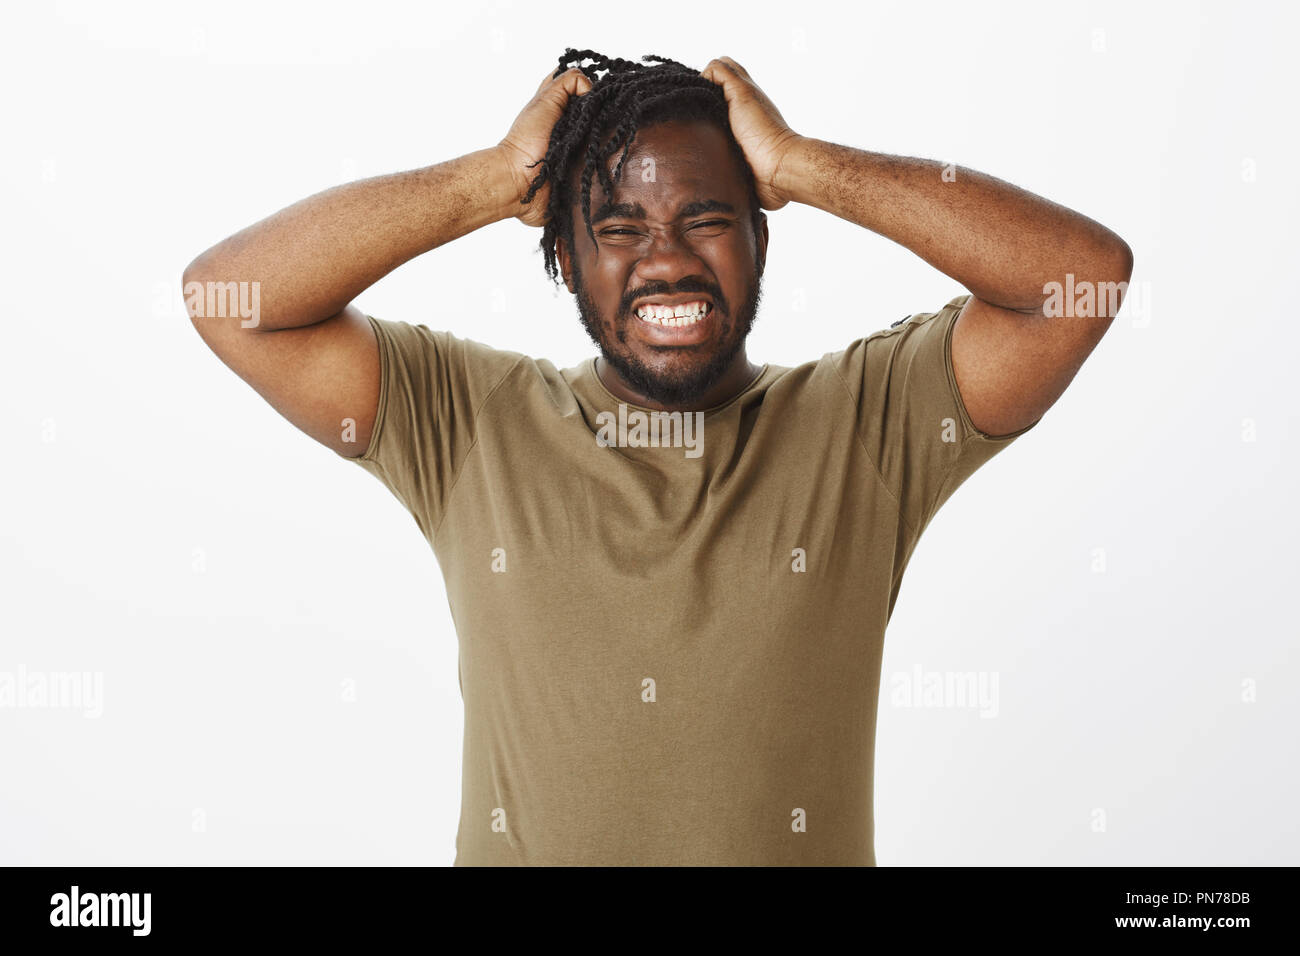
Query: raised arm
x,y
275,300
1045,281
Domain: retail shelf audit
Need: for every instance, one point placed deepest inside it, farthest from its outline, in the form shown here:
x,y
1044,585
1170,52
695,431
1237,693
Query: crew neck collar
x,y
589,371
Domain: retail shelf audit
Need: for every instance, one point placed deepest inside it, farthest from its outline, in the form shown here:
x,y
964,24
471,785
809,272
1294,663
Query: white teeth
x,y
674,316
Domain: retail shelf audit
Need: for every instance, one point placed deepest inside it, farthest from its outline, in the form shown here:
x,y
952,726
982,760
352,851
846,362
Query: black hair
x,y
627,97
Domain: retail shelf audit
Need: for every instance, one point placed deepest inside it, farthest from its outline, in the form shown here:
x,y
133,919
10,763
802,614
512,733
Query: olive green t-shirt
x,y
670,651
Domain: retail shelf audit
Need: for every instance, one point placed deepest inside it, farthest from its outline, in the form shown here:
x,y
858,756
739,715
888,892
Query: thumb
x,y
572,82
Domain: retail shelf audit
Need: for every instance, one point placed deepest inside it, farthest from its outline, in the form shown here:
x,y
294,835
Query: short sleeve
x,y
910,414
432,387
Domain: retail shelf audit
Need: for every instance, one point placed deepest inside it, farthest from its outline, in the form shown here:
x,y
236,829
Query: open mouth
x,y
674,316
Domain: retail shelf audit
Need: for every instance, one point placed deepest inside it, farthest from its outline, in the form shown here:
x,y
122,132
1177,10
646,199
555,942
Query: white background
x,y
164,527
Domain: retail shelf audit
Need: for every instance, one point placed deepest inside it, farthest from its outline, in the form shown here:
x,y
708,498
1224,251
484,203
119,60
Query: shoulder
x,y
443,355
902,340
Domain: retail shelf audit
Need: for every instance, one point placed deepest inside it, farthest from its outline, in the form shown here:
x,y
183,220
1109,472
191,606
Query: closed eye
x,y
619,231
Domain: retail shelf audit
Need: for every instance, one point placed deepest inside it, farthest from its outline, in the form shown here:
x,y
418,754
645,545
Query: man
x,y
670,568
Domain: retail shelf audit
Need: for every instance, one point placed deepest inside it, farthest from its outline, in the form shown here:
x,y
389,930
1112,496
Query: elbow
x,y
191,279
197,285
195,270
1123,260
1113,270
1112,256
189,283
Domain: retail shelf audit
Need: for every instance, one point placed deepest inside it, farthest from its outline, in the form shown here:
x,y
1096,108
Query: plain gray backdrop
x,y
269,629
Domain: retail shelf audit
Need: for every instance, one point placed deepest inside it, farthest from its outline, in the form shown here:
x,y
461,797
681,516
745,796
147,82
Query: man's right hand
x,y
530,136
311,352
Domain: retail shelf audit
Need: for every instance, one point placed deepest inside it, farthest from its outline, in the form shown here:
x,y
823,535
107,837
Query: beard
x,y
678,387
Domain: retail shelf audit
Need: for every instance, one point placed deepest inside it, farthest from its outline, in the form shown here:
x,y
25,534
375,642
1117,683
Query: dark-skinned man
x,y
670,568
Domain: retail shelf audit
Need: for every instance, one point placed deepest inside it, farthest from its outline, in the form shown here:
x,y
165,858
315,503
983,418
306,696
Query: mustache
x,y
685,287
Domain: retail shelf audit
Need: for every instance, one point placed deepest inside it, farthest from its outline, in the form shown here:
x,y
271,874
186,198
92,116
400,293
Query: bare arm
x,y
1012,356
306,348
1013,352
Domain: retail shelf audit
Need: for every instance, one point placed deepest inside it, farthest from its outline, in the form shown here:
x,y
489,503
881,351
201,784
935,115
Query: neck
x,y
738,375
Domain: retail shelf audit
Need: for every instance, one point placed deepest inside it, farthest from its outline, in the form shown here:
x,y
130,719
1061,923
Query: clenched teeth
x,y
688,313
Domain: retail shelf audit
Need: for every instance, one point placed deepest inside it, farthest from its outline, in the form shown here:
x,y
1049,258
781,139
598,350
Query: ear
x,y
762,242
562,254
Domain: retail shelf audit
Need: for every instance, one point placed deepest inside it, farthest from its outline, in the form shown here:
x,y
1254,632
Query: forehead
x,y
668,164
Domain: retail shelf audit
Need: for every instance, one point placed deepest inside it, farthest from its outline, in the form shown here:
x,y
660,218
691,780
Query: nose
x,y
667,259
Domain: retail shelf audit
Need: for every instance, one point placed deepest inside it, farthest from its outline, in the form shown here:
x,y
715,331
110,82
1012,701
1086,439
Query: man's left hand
x,y
757,125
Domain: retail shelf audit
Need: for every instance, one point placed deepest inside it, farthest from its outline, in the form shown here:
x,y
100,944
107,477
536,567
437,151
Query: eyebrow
x,y
627,210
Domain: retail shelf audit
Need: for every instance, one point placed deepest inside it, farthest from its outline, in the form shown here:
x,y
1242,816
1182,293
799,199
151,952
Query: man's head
x,y
647,163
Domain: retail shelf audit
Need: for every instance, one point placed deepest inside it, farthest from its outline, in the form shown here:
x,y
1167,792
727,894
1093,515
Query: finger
x,y
736,66
577,84
546,81
572,82
721,71
716,71
551,78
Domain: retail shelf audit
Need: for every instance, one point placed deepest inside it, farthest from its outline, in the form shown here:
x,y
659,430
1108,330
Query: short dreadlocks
x,y
629,96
